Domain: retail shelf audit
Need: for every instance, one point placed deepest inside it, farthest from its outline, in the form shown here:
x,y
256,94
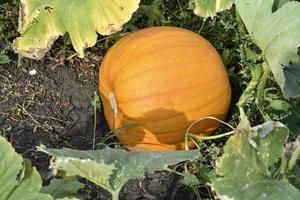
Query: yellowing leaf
x,y
43,21
209,8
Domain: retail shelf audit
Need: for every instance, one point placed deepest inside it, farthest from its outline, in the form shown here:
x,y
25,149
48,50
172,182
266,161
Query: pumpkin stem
x,y
199,137
113,103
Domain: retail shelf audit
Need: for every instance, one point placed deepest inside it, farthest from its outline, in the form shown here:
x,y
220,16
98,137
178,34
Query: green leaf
x,y
43,21
294,177
209,8
280,105
112,168
18,181
245,169
277,34
278,4
60,189
260,189
190,179
292,75
73,163
293,120
4,59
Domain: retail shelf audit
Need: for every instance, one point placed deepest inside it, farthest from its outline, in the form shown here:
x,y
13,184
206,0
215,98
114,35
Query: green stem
x,y
294,158
187,134
263,81
256,73
261,90
240,23
95,126
213,137
200,138
115,195
19,61
202,25
283,165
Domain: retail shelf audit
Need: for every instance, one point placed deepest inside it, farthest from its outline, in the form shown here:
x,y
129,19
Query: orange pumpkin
x,y
156,82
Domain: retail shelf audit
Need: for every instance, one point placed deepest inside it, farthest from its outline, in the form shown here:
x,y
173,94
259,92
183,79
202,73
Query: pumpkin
x,y
156,81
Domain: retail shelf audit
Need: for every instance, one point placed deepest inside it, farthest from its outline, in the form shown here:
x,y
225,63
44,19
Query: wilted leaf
x,y
244,171
18,181
278,36
43,21
209,8
112,168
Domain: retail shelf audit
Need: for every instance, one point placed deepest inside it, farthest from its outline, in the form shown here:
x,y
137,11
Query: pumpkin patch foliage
x,y
205,91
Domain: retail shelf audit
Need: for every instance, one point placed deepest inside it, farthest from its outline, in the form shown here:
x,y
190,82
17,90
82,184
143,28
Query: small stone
x,y
32,72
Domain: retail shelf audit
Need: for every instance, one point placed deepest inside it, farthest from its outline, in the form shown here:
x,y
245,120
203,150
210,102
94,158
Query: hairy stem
x,y
256,72
283,166
294,158
200,137
263,81
261,90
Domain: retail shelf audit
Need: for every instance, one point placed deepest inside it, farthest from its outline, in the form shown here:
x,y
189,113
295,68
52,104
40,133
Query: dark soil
x,y
54,108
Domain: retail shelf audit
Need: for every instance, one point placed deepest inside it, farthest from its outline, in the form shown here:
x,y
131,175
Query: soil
x,y
53,108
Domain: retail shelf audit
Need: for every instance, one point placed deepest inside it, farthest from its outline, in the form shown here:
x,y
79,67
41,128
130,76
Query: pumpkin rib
x,y
165,132
195,109
131,77
128,63
204,42
161,120
159,94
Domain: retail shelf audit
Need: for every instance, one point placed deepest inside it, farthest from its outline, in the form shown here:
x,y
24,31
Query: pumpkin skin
x,y
159,80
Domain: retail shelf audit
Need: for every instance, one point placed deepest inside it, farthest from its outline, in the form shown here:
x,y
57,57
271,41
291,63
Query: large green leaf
x,y
43,21
112,168
18,181
245,168
278,36
209,8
